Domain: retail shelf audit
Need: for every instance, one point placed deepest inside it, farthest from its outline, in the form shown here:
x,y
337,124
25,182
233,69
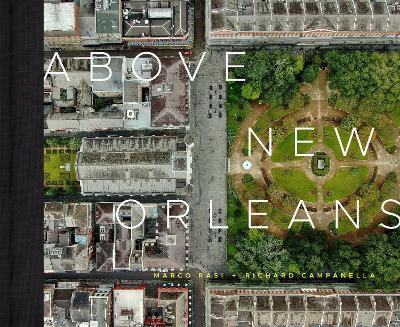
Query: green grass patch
x,y
395,115
56,174
344,182
282,219
346,226
262,123
236,212
367,215
276,113
296,182
236,115
285,151
332,142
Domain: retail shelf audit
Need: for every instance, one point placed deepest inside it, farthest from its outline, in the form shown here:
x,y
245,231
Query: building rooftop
x,y
257,20
78,304
67,237
148,247
133,165
122,102
48,291
169,94
108,17
114,83
100,306
128,306
60,18
91,303
155,19
233,305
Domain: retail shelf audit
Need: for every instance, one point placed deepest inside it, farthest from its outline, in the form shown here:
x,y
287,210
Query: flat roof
x,y
114,84
300,306
131,165
67,231
155,19
128,306
108,17
249,19
59,17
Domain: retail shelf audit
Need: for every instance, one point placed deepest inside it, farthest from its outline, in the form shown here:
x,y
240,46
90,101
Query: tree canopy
x,y
378,255
373,78
272,76
259,252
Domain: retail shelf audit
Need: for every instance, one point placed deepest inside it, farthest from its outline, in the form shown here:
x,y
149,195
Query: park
x,y
320,133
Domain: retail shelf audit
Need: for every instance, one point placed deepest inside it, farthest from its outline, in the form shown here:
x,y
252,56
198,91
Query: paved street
x,y
207,118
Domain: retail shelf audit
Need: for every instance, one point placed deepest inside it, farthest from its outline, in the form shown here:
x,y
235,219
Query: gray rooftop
x,y
298,307
67,232
114,83
155,19
131,165
150,246
246,19
108,17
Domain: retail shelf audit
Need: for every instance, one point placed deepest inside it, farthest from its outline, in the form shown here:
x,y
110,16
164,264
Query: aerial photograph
x,y
221,163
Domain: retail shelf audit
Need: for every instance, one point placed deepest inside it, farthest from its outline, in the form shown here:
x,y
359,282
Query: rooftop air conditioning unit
x,y
131,114
170,240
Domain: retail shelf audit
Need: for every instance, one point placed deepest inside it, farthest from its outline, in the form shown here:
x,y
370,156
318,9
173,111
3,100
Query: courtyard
x,y
59,157
59,167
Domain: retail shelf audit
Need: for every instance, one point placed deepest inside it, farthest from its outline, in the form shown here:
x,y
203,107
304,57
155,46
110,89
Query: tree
x,y
70,190
52,141
275,74
310,251
247,178
380,255
250,92
51,192
371,78
344,257
74,143
101,102
310,73
350,121
259,252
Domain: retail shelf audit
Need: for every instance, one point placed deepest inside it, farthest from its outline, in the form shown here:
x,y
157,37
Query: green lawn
x,y
346,226
395,115
282,219
367,215
296,182
236,115
285,150
331,141
55,171
344,182
277,113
